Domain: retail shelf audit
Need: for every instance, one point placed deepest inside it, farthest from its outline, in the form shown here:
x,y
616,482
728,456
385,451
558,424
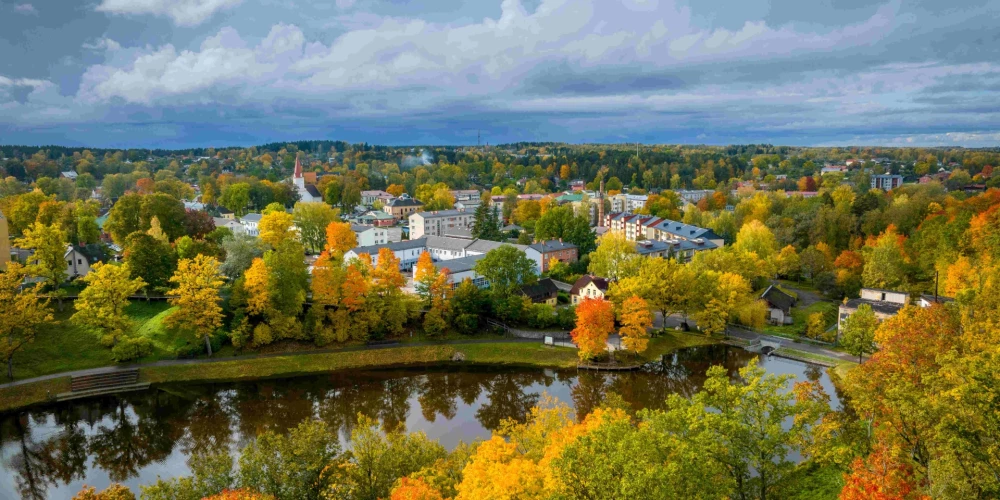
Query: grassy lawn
x,y
27,394
800,315
64,346
523,354
808,356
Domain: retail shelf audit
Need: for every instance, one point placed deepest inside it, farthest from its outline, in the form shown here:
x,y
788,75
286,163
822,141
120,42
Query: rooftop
x,y
600,283
395,246
876,305
551,246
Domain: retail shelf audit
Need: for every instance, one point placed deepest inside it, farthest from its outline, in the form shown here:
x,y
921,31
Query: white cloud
x,y
183,12
103,44
26,8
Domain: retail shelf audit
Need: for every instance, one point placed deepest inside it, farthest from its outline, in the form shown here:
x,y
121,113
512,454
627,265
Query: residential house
x,y
4,242
543,252
886,182
401,208
370,235
833,169
438,222
577,185
71,175
233,225
779,305
588,287
369,197
407,252
941,177
226,213
544,291
78,258
885,304
251,224
377,218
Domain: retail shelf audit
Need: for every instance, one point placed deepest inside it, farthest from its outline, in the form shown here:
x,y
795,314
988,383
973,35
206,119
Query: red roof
x,y
298,169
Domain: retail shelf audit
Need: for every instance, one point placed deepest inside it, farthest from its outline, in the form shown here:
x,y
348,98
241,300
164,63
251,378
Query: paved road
x,y
175,362
675,320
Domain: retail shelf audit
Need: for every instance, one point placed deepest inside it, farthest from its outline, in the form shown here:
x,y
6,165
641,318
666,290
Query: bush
x,y
542,316
567,317
132,348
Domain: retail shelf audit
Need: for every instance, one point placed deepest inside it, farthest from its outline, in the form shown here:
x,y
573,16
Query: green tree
x,y
165,208
506,269
377,458
125,218
615,257
236,197
486,223
858,337
149,259
749,427
561,223
241,249
290,467
312,218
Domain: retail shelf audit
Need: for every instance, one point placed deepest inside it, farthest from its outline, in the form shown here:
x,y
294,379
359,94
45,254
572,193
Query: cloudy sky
x,y
182,73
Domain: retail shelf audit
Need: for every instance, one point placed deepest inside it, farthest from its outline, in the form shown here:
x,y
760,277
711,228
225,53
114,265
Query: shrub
x,y
129,349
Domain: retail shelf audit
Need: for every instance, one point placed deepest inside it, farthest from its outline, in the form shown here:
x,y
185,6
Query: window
x,y
79,261
883,296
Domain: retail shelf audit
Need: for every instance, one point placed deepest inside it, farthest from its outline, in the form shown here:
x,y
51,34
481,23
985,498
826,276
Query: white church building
x,y
307,192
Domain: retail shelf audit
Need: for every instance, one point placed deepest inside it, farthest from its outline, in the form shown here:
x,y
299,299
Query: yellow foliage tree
x,y
198,311
340,238
636,319
22,312
101,306
276,227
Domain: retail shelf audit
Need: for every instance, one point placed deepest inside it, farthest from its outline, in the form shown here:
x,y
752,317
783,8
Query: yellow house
x,y
4,243
588,287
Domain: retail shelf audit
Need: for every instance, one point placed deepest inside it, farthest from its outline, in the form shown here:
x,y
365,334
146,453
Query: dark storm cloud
x,y
181,73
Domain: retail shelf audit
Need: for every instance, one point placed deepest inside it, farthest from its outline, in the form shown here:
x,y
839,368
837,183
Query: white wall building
x,y
628,202
251,224
437,223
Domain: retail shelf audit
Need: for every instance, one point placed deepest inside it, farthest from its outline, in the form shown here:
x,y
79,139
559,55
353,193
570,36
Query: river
x,y
51,451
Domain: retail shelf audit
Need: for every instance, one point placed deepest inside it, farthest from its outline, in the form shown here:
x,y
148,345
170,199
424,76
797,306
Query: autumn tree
x,y
424,274
292,465
636,320
49,245
440,293
884,261
240,249
506,269
615,258
858,337
788,262
755,237
595,320
881,476
150,259
276,227
22,313
196,298
340,238
312,219
101,306
114,491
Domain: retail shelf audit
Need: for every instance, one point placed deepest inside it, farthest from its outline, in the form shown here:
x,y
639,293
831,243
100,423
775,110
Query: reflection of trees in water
x,y
138,434
506,397
128,433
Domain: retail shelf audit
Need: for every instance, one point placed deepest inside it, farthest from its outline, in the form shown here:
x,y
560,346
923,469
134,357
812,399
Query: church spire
x,y
297,174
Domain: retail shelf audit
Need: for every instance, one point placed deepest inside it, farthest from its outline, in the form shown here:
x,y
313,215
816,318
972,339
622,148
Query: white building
x,y
470,195
437,223
684,240
628,202
406,251
884,303
370,235
307,192
886,182
233,225
369,197
251,224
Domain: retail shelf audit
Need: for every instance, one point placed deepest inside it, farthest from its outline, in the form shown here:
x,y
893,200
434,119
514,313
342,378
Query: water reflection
x,y
51,451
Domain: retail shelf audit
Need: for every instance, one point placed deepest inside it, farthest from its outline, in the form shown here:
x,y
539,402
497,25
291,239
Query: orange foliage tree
x,y
879,476
340,238
595,320
414,489
386,273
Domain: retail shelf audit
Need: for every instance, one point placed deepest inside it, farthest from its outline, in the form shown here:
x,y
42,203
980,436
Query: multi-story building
x,y
370,235
886,182
543,252
675,239
693,195
407,251
471,195
437,223
401,208
628,202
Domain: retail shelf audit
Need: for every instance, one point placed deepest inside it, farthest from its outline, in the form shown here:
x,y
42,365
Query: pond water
x,y
52,451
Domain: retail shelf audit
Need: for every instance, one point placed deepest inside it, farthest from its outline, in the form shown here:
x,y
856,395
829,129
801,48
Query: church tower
x,y
297,178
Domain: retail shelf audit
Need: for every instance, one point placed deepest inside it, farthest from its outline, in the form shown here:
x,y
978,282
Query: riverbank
x,y
512,352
